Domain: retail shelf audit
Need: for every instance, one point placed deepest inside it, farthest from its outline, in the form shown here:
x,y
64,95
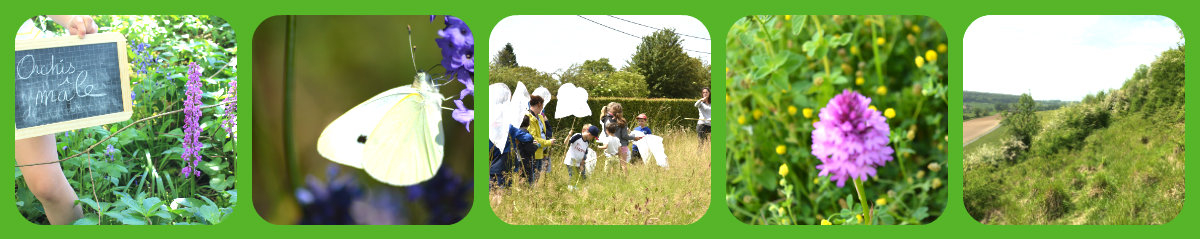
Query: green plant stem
x,y
875,48
862,197
289,74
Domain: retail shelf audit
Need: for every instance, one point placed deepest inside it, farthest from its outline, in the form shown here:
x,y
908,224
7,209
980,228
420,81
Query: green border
x,y
245,16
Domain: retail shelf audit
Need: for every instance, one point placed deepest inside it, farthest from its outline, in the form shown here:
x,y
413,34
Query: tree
x,y
597,66
668,70
506,57
531,77
1023,121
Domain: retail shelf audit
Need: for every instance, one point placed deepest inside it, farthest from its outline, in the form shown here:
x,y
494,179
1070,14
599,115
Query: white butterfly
x,y
395,136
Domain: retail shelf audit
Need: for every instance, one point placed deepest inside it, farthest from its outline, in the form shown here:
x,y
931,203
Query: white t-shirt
x,y
577,151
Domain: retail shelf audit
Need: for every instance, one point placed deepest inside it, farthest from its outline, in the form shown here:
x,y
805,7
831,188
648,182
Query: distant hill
x,y
978,104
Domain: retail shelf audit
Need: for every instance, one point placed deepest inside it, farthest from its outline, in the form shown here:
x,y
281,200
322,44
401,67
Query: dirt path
x,y
978,127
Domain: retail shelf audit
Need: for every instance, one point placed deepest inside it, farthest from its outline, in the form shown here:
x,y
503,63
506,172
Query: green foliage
x,y
607,84
669,72
781,66
1166,84
1022,121
531,77
140,182
506,57
1070,127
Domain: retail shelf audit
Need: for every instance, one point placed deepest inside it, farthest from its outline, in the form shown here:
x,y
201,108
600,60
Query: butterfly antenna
x,y
411,49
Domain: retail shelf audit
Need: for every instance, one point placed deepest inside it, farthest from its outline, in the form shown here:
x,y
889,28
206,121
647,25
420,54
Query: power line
x,y
635,36
655,28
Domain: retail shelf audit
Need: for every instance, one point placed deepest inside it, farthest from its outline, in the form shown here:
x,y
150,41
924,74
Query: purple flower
x,y
191,123
851,139
111,152
230,122
458,57
462,114
144,58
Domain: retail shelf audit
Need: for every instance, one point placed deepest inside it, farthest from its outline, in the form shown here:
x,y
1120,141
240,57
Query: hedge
x,y
663,113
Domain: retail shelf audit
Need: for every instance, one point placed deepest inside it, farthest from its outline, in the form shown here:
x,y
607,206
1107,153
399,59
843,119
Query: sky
x,y
1061,57
552,43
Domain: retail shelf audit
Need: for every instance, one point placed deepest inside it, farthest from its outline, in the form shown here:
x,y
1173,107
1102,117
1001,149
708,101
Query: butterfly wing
x,y
407,145
501,98
343,140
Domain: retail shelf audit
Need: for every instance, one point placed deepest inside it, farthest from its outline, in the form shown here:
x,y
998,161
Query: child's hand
x,y
81,25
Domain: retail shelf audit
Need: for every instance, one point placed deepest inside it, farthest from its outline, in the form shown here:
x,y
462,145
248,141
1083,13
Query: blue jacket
x,y
499,160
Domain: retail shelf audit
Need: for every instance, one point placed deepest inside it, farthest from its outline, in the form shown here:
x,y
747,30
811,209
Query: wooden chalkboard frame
x,y
65,41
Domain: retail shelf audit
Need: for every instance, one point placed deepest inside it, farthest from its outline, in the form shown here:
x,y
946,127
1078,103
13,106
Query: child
x,y
503,162
619,130
611,146
577,156
526,151
645,129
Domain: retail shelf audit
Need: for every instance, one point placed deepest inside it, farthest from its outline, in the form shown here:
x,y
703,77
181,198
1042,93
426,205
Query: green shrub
x,y
1068,130
1022,121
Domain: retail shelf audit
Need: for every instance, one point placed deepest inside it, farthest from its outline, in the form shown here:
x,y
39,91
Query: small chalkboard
x,y
67,83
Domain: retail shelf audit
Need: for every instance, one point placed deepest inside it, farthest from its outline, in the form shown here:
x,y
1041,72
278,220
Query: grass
x,y
643,194
1128,173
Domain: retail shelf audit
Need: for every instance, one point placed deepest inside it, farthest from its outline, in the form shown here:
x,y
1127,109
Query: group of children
x,y
612,137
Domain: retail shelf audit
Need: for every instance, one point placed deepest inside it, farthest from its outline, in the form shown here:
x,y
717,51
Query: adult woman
x,y
704,124
537,128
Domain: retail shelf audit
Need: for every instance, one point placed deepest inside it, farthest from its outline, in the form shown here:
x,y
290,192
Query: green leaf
x,y
87,220
921,213
798,22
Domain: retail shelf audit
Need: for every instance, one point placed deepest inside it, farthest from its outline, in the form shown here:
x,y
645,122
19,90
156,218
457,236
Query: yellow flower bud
x,y
783,169
860,217
881,201
882,90
916,29
791,110
781,150
872,108
889,113
942,48
937,182
920,62
854,49
808,112
825,222
757,114
879,41
858,81
816,180
935,167
931,55
742,119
